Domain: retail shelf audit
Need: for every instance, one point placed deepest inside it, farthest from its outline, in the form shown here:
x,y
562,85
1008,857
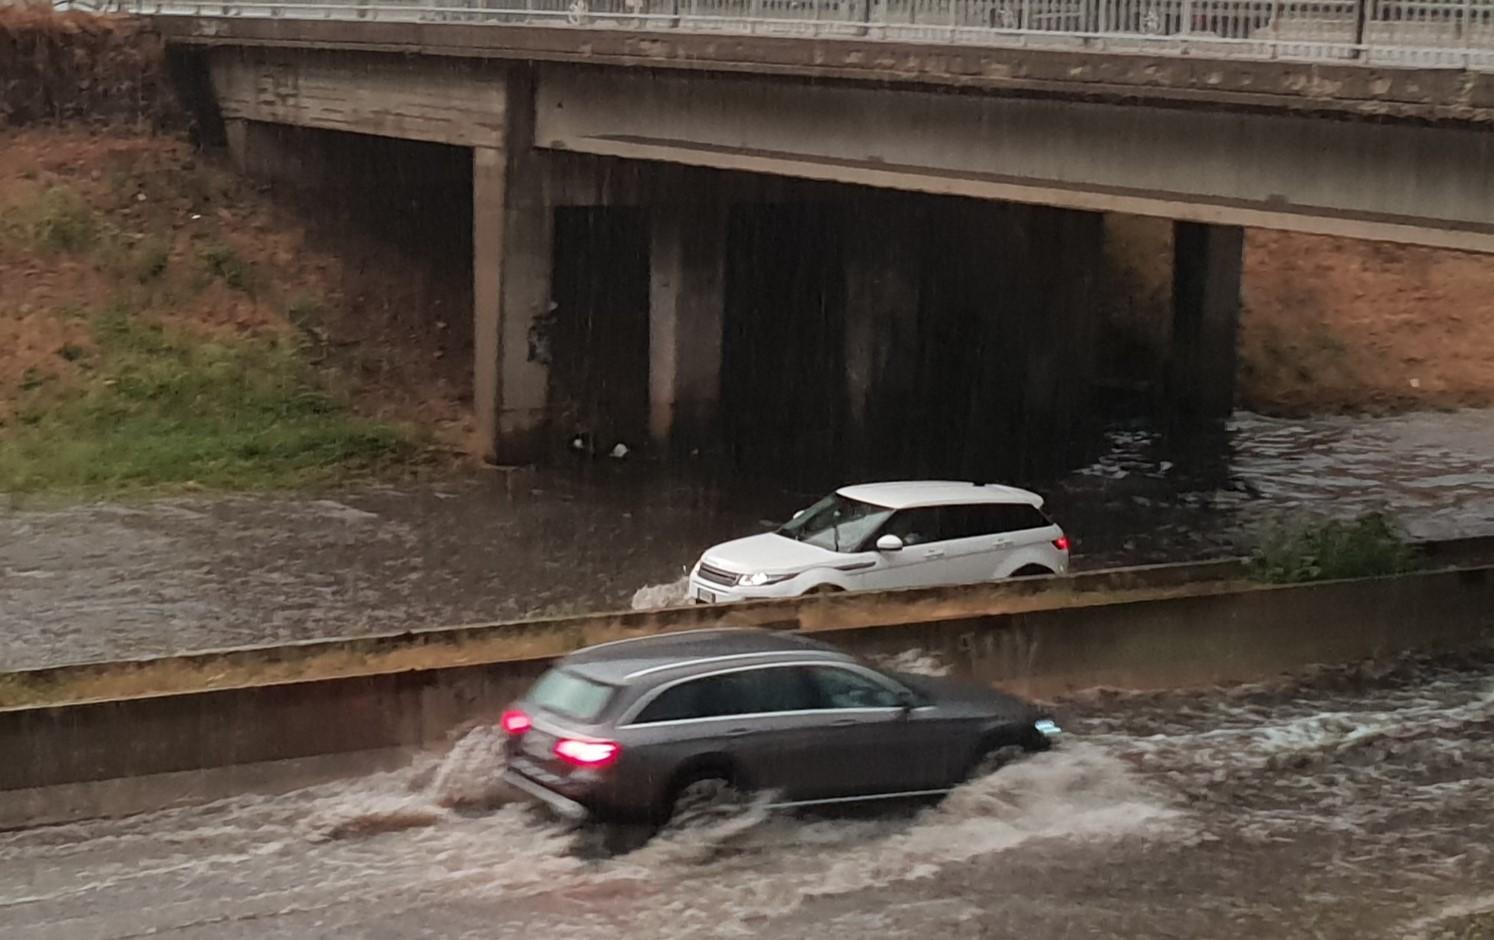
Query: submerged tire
x,y
704,798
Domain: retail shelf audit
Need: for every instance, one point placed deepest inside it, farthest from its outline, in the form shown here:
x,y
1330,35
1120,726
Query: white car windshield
x,y
836,523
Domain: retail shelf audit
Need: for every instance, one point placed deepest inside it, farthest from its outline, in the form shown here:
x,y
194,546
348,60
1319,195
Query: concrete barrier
x,y
503,642
1148,638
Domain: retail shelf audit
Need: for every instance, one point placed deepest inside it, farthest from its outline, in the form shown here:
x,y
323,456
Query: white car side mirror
x,y
889,543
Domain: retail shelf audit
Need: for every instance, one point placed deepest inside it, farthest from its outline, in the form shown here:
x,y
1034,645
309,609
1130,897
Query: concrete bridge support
x,y
512,232
1207,261
687,297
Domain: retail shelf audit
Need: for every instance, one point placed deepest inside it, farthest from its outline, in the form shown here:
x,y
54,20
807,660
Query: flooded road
x,y
119,581
1348,802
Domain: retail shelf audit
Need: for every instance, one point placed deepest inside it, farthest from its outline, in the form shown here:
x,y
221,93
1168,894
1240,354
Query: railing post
x,y
1361,9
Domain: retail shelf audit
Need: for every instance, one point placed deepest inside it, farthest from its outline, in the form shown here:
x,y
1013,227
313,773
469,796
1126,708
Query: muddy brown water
x,y
110,581
1353,802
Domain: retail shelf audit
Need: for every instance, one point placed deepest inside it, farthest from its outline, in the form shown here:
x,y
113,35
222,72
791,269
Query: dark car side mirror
x,y
907,701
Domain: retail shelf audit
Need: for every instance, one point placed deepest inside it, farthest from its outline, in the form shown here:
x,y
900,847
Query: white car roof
x,y
910,493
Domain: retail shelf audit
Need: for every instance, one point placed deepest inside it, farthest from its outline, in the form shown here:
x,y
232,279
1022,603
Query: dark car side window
x,y
842,688
749,692
965,522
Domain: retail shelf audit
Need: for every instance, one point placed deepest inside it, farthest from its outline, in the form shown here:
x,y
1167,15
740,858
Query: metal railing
x,y
1413,33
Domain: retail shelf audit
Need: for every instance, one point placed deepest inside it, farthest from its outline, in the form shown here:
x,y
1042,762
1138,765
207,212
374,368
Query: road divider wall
x,y
1138,629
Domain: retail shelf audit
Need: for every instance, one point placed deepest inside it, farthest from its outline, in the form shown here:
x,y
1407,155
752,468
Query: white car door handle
x,y
1002,543
934,553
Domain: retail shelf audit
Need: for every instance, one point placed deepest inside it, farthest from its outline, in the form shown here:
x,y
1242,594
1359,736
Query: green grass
x,y
164,407
222,262
62,222
1325,550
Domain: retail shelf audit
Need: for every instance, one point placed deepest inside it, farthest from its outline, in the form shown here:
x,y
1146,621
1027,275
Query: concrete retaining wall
x,y
1231,633
502,642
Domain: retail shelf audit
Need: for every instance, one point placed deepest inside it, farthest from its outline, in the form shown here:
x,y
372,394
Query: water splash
x,y
917,662
653,596
466,777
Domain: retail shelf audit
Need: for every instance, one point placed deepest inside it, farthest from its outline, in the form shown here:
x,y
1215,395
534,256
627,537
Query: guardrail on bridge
x,y
1408,33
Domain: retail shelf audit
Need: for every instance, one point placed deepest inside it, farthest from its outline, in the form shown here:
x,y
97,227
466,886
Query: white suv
x,y
889,535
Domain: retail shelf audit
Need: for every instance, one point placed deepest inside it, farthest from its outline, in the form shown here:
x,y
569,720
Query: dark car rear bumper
x,y
562,806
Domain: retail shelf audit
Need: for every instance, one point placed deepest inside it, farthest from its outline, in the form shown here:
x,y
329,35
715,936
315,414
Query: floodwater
x,y
120,581
1353,802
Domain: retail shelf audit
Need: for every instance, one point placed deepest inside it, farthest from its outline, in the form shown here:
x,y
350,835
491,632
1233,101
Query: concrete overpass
x,y
549,112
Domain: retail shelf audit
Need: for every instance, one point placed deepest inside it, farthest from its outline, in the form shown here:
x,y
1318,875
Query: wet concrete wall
x,y
873,334
1036,641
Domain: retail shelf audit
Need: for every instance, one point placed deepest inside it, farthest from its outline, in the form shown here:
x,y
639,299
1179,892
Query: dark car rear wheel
x,y
704,797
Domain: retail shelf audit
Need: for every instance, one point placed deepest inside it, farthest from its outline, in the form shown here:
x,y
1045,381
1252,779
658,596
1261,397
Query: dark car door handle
x,y
842,722
734,732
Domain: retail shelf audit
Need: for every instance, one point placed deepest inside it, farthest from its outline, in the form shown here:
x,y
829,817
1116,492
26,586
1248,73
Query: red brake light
x,y
1061,543
588,754
515,722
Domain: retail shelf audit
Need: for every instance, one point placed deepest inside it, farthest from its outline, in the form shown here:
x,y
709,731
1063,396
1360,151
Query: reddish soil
x,y
1333,324
153,196
1328,324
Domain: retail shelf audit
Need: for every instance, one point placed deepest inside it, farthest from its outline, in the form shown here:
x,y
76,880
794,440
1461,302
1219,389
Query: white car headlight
x,y
760,578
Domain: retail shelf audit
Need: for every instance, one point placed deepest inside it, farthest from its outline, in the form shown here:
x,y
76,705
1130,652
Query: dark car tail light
x,y
591,755
515,722
1061,543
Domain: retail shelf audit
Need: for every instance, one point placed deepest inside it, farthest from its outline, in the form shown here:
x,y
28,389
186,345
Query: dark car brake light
x,y
515,722
591,755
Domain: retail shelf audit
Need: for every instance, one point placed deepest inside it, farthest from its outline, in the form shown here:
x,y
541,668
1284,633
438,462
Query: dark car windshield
x,y
836,523
571,695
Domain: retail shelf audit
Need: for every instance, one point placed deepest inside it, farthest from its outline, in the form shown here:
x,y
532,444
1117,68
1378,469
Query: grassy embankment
x,y
157,333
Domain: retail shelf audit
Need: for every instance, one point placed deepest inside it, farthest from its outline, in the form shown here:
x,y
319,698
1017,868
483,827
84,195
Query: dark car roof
x,y
673,654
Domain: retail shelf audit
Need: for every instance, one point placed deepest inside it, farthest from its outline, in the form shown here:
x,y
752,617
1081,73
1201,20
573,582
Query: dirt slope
x,y
1333,324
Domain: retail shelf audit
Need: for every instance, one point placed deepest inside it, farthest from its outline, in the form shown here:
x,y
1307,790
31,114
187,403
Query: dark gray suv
x,y
618,732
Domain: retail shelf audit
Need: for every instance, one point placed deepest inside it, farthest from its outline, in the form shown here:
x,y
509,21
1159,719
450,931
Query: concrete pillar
x,y
512,232
881,327
489,187
687,298
1207,261
272,152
